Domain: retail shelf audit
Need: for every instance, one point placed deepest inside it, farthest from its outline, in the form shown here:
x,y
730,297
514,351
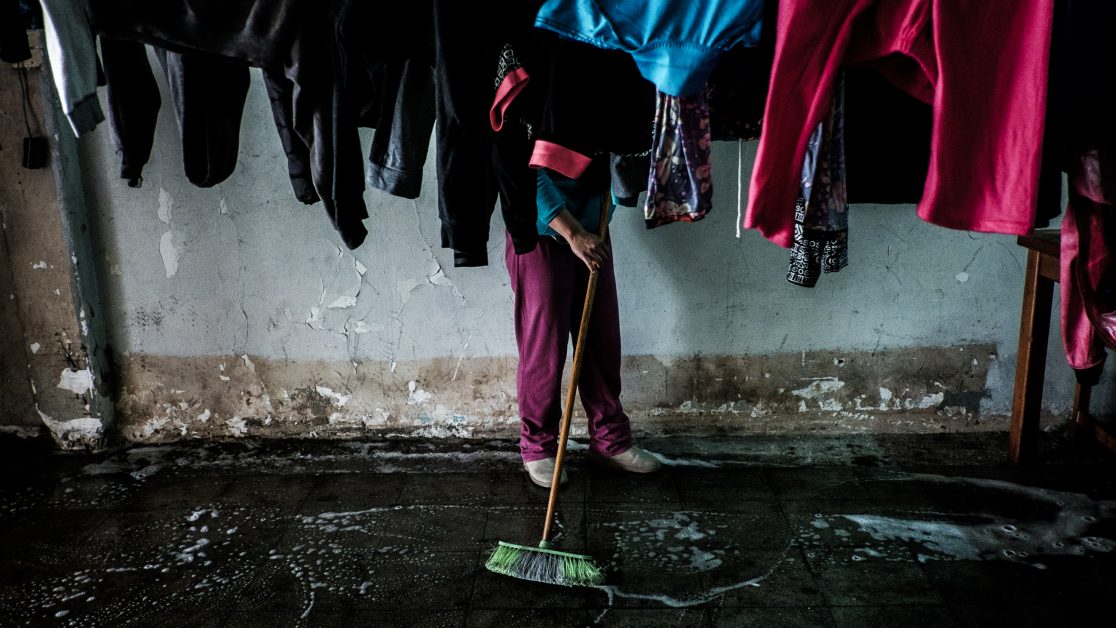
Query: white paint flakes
x,y
77,382
74,433
360,268
35,347
166,201
169,254
962,277
248,363
204,416
362,327
416,395
237,427
818,387
338,399
153,425
885,397
927,401
39,265
342,302
315,319
224,207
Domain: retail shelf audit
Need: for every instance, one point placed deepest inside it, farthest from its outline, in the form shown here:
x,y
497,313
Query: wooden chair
x,y
1043,250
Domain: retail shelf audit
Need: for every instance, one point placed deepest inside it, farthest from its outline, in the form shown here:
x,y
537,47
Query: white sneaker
x,y
635,460
541,472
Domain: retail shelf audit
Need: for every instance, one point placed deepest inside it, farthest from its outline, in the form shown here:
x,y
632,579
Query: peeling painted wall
x,y
236,311
46,380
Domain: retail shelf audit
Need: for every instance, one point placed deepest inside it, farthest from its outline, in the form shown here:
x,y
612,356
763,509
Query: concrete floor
x,y
768,531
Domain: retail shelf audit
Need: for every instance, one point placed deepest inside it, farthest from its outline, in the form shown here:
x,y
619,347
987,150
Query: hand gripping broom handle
x,y
575,373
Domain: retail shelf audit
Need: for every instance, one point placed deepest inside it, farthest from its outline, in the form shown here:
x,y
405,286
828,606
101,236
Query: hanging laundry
x,y
208,94
629,177
737,88
675,43
13,36
437,74
1082,89
293,37
679,188
986,91
821,213
887,140
1080,141
403,125
390,88
280,92
1088,268
72,54
563,105
589,102
133,102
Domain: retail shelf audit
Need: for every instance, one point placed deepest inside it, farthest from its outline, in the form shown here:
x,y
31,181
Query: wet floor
x,y
767,531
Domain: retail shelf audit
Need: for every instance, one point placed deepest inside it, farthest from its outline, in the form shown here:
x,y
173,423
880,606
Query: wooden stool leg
x,y
1030,364
1080,415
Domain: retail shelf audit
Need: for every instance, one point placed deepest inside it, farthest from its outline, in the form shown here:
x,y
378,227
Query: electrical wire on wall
x,y
34,146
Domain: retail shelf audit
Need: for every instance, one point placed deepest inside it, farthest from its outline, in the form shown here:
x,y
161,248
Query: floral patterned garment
x,y
680,185
821,213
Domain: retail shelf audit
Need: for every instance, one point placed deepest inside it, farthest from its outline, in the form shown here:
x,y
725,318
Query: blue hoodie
x,y
675,43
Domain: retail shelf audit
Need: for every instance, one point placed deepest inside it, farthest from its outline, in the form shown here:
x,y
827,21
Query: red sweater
x,y
981,64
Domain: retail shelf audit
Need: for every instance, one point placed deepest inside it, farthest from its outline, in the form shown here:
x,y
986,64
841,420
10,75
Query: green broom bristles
x,y
545,565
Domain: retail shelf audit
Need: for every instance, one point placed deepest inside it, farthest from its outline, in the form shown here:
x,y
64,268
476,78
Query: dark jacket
x,y
291,37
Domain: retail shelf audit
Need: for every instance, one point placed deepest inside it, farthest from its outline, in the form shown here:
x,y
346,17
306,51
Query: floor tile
x,y
754,525
764,578
921,616
497,591
784,617
523,524
652,618
700,487
353,491
528,617
849,577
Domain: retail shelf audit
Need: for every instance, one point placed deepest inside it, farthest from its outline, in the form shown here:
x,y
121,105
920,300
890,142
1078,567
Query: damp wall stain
x,y
912,390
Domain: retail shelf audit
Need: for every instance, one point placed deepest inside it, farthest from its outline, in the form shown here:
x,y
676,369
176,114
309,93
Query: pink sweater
x,y
982,64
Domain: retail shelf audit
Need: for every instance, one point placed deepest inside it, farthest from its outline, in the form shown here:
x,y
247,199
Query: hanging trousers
x,y
549,285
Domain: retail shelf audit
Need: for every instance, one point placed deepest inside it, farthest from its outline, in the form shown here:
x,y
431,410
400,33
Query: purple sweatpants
x,y
549,285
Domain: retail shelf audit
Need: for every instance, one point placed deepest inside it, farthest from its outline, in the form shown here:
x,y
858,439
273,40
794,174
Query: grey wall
x,y
235,310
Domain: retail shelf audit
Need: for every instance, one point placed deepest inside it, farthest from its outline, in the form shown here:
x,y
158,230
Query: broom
x,y
543,564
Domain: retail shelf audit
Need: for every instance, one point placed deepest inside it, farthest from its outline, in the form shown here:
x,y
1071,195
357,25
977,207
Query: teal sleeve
x,y
550,202
552,198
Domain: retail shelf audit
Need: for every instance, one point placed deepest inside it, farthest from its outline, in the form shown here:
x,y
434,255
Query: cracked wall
x,y
248,303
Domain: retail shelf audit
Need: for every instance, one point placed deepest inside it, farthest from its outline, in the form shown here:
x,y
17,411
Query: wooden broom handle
x,y
575,374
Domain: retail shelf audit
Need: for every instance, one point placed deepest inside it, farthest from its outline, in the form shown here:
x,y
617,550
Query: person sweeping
x,y
548,283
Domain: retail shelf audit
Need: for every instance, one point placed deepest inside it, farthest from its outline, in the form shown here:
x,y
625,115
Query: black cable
x,y
25,97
